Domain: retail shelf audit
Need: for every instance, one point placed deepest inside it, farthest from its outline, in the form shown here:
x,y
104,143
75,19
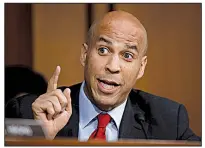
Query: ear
x,y
84,51
142,67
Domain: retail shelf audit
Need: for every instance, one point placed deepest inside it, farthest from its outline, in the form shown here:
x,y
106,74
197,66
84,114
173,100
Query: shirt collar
x,y
89,111
117,113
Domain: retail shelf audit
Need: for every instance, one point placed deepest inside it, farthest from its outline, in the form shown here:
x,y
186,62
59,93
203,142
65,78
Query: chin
x,y
105,103
105,106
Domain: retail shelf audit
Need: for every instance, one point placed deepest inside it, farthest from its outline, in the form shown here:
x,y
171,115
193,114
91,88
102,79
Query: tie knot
x,y
103,120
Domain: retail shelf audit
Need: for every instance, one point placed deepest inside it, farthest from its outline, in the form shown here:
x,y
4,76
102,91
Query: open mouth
x,y
107,86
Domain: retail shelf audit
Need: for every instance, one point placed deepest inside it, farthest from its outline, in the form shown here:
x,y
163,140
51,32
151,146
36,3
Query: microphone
x,y
139,117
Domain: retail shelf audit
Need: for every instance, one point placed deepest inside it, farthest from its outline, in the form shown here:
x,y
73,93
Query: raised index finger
x,y
52,83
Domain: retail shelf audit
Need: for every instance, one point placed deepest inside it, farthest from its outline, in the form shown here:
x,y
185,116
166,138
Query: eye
x,y
103,51
128,56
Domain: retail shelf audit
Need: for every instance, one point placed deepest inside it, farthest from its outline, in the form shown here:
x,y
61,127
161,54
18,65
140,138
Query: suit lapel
x,y
73,124
130,128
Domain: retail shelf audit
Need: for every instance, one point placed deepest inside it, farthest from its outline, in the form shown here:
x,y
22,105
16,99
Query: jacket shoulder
x,y
168,116
154,101
157,109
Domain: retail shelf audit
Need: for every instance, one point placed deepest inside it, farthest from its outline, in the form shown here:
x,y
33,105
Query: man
x,y
105,106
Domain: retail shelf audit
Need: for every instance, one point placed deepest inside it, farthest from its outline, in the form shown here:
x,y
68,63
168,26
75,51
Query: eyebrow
x,y
104,40
134,47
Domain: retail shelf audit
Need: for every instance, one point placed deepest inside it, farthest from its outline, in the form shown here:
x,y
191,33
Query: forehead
x,y
121,30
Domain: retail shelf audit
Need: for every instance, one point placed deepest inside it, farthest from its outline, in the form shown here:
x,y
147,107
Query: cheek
x,y
95,64
130,74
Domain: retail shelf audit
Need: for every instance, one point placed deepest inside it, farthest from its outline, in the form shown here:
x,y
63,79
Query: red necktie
x,y
99,133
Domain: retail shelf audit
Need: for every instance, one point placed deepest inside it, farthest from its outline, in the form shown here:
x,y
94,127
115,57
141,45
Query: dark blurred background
x,y
42,36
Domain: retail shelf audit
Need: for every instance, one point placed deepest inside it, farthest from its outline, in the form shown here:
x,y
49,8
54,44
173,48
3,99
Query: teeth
x,y
107,86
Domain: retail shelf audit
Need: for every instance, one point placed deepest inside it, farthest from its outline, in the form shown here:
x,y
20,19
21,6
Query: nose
x,y
113,64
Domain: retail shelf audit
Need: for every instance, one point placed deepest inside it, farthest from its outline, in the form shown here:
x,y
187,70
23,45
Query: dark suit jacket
x,y
145,115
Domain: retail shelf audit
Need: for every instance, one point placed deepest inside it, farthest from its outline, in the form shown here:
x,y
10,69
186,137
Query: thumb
x,y
64,117
67,93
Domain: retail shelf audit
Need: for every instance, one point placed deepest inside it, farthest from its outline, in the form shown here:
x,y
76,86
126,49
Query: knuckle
x,y
58,108
61,96
58,91
50,109
55,100
56,104
36,104
64,100
33,105
41,97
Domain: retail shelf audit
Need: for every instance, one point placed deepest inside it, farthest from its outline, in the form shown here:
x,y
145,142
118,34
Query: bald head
x,y
119,22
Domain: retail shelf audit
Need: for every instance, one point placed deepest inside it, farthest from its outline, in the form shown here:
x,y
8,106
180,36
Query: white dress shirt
x,y
88,118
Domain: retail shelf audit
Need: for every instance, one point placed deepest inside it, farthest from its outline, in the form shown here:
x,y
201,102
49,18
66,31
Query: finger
x,y
52,83
61,98
44,108
62,118
67,95
40,116
56,104
48,107
65,115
